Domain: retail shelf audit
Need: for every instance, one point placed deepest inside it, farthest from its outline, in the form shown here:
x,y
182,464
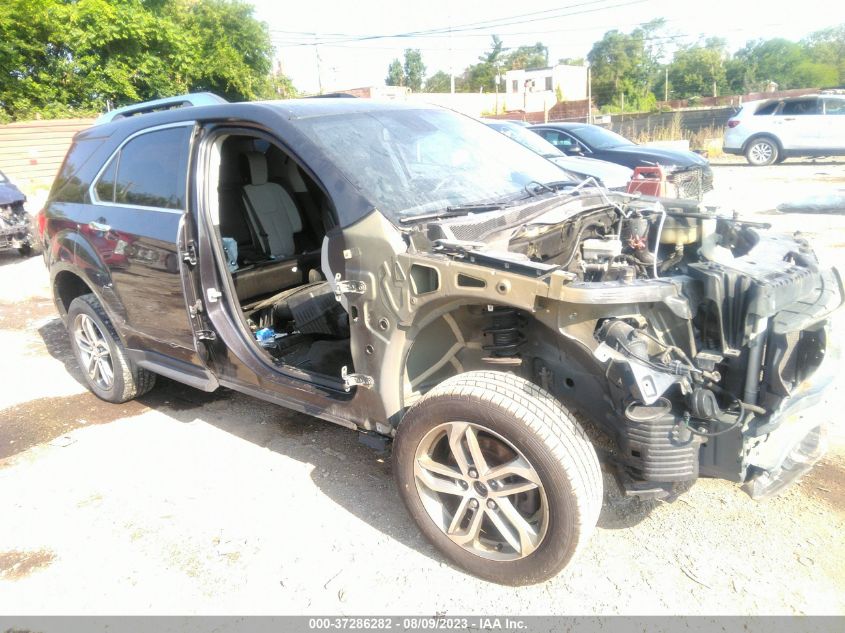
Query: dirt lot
x,y
185,502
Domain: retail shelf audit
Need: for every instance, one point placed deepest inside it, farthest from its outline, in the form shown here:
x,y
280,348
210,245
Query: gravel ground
x,y
186,502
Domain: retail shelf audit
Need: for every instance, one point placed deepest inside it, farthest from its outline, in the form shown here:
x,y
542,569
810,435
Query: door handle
x,y
99,226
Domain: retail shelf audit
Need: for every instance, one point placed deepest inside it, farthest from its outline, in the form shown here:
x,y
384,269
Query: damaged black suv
x,y
413,275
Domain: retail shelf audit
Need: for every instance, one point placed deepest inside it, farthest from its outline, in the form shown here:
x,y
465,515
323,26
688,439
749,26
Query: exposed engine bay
x,y
690,337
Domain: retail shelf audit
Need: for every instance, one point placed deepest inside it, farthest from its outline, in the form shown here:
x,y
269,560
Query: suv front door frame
x,y
233,357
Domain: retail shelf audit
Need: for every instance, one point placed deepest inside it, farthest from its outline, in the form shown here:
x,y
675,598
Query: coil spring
x,y
507,337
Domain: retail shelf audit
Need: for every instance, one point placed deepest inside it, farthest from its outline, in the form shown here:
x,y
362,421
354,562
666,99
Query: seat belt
x,y
265,239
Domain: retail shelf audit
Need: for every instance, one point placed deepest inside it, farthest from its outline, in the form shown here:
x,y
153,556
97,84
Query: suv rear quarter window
x,y
766,108
150,170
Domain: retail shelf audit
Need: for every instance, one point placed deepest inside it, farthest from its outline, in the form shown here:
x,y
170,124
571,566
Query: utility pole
x,y
666,85
451,59
589,94
319,73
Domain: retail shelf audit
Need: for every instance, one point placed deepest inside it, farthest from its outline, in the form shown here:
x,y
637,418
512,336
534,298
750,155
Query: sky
x,y
567,27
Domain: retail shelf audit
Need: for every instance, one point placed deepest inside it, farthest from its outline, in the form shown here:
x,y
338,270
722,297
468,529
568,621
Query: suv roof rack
x,y
168,103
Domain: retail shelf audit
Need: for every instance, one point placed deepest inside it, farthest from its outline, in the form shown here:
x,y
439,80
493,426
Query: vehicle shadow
x,y
11,256
356,477
786,164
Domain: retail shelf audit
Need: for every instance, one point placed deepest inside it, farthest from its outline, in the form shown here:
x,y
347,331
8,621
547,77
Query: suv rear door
x,y
138,200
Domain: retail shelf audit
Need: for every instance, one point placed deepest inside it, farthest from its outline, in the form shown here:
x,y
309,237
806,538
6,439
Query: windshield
x,y
599,138
408,162
526,138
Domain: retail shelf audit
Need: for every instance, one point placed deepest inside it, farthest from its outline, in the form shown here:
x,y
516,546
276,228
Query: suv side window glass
x,y
800,107
105,185
834,106
151,170
769,108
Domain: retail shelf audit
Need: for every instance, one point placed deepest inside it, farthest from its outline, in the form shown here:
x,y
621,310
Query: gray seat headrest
x,y
257,168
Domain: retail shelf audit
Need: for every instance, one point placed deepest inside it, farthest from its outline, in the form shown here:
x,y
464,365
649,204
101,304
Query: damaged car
x,y
15,222
417,277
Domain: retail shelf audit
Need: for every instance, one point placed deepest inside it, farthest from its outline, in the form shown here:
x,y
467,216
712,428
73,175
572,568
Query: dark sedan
x,y
687,171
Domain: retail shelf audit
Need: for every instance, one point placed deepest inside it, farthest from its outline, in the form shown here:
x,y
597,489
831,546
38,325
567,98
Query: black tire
x,y
25,250
534,423
128,380
762,151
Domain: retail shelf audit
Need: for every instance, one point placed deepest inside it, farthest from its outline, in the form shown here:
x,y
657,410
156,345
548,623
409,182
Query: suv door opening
x,y
268,219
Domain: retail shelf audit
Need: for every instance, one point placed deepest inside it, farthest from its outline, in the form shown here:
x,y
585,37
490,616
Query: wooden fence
x,y
31,152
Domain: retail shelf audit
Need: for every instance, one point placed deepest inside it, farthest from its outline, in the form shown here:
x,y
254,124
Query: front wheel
x,y
499,476
761,152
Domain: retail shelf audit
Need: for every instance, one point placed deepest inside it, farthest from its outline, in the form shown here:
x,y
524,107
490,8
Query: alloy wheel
x,y
761,152
94,351
481,491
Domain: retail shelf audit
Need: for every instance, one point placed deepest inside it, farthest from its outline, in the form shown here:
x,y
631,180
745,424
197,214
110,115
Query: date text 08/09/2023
x,y
418,623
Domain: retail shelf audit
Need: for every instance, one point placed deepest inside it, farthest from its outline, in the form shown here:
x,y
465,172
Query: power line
x,y
486,25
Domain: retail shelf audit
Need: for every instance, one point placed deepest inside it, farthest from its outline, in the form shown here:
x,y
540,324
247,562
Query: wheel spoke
x,y
91,364
527,535
106,370
436,467
91,331
455,433
506,490
505,529
475,450
517,467
470,535
460,515
83,342
438,484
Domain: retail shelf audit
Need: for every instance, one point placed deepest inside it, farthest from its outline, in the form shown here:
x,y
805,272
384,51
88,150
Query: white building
x,y
537,90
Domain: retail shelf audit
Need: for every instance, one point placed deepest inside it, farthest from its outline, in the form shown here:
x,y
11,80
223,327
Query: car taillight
x,y
733,122
40,223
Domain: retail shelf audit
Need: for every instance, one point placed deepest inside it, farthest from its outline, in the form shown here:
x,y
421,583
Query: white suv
x,y
770,131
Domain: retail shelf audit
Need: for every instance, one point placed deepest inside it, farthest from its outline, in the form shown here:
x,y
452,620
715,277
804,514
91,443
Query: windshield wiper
x,y
455,211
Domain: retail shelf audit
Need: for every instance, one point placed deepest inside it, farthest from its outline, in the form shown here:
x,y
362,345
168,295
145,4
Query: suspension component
x,y
506,337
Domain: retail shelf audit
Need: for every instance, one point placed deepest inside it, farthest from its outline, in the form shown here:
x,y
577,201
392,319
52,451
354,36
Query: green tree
x,y
439,82
232,52
395,74
410,74
482,76
536,56
59,57
414,69
699,70
827,47
762,61
625,65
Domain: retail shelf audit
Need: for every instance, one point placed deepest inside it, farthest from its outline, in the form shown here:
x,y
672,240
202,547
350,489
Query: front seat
x,y
271,209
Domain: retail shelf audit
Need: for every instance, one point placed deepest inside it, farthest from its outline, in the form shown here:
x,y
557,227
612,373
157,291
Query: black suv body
x,y
414,275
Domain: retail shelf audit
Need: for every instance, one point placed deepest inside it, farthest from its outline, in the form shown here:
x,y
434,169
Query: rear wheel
x,y
498,476
762,151
101,356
